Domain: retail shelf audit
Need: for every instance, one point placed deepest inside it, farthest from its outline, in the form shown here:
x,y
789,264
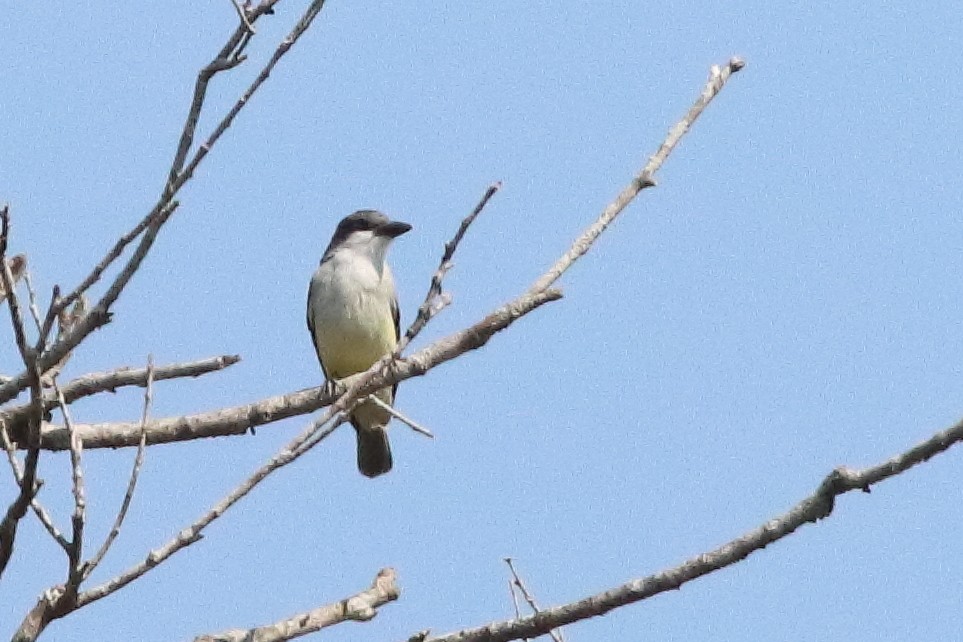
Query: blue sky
x,y
787,300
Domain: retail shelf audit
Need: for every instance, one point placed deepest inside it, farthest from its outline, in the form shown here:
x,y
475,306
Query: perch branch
x,y
238,420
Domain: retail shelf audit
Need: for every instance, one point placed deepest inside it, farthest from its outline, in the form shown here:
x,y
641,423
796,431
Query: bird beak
x,y
393,229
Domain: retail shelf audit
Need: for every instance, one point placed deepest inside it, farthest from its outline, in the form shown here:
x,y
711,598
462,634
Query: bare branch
x,y
302,25
242,14
817,506
227,58
233,44
59,601
99,315
387,371
29,485
32,298
360,607
645,178
92,564
239,419
430,307
511,590
52,604
94,383
9,283
159,213
79,517
148,228
193,533
37,507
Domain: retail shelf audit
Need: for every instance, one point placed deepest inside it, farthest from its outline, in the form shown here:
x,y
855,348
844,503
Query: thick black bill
x,y
393,229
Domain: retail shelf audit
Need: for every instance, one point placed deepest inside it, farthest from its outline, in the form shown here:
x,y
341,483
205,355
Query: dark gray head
x,y
366,229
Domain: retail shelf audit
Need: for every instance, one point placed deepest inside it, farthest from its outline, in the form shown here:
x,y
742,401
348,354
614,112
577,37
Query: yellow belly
x,y
349,353
353,348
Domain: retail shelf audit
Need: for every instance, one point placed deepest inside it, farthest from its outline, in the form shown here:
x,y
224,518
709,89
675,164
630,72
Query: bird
x,y
353,318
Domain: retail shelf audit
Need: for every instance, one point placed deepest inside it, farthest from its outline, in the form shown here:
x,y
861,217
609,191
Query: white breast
x,y
351,308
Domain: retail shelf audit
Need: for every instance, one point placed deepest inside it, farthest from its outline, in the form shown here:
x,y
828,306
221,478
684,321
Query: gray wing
x,y
396,315
310,320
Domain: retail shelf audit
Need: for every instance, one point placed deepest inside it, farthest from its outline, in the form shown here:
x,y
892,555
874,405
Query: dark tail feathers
x,y
374,452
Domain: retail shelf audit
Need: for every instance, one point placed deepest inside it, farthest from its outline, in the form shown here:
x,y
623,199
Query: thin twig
x,y
543,622
92,564
52,605
79,516
302,25
62,302
645,178
318,431
242,14
411,423
517,580
34,311
232,45
431,305
511,590
29,484
224,61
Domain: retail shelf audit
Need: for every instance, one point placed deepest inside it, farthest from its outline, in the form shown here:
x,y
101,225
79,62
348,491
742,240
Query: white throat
x,y
365,243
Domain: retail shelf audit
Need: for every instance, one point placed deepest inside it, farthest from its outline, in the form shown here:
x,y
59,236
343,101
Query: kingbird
x,y
354,320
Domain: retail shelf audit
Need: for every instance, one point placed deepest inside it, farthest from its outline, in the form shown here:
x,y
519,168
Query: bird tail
x,y
374,452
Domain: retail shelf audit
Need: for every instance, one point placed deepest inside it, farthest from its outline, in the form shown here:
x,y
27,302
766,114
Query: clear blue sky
x,y
786,301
